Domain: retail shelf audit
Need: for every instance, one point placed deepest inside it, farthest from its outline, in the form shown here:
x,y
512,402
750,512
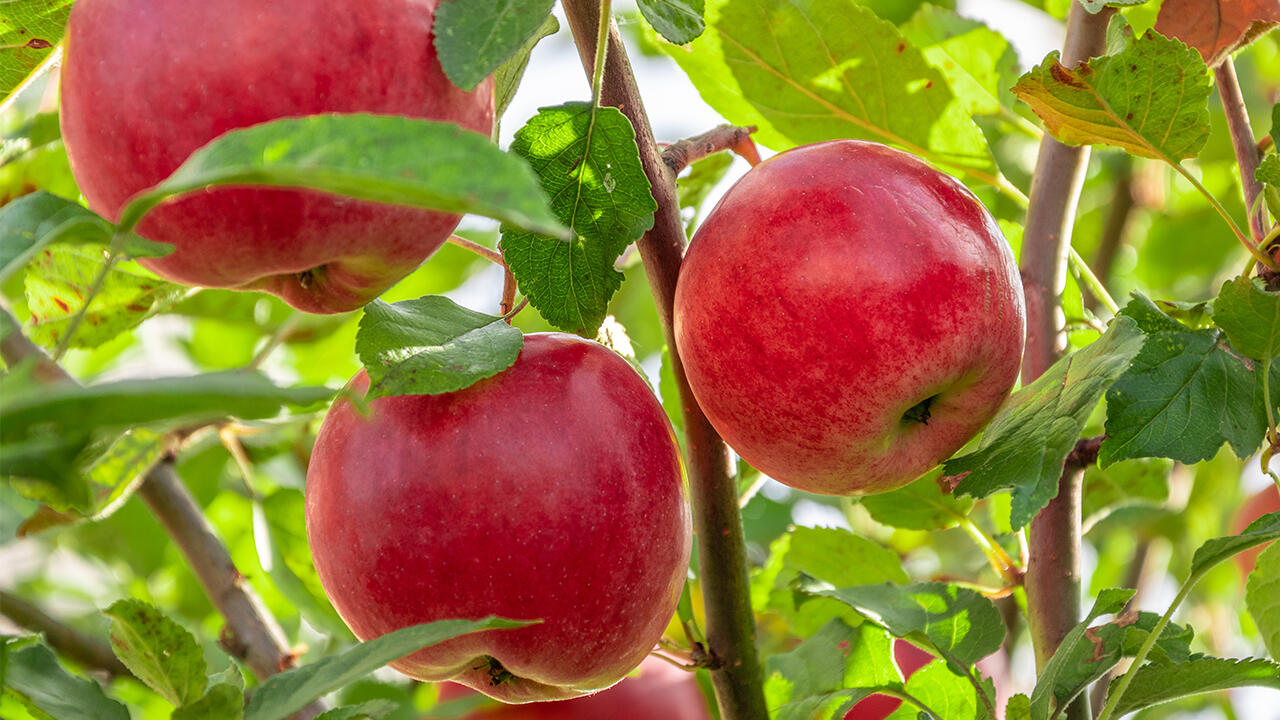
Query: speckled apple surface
x,y
146,83
550,491
832,294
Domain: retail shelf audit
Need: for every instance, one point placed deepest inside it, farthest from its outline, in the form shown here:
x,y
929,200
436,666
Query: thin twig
x,y
681,154
489,254
1054,569
252,634
1113,230
735,667
508,292
91,652
1247,155
277,338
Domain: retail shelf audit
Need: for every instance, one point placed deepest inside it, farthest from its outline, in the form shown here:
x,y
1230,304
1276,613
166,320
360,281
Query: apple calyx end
x,y
919,412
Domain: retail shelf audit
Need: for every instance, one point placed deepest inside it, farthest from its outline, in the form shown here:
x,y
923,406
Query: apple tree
x,y
1012,317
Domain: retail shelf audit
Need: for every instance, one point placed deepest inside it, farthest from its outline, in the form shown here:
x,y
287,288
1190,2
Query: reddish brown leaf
x,y
1217,28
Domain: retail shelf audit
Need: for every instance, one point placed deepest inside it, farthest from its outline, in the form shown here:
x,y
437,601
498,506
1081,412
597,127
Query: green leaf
x,y
124,465
32,222
943,692
34,676
58,280
287,692
922,505
78,411
978,62
1263,530
1088,653
834,556
1250,316
1096,6
962,625
44,468
388,159
506,79
222,702
158,651
1124,484
431,345
1262,597
29,30
1018,708
474,37
372,710
679,21
1269,170
589,165
832,669
814,70
280,537
1151,99
1185,394
1025,445
1156,683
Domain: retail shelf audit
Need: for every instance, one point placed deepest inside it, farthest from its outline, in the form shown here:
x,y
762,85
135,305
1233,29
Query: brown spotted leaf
x,y
60,278
1150,99
29,30
1217,28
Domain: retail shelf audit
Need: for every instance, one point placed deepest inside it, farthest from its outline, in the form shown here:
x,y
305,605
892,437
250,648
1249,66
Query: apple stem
x,y
1053,573
489,254
681,154
1246,149
251,633
734,664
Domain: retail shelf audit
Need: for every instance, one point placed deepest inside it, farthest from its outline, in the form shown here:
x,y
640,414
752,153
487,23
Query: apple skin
x,y
659,692
550,491
909,659
835,287
1266,500
146,83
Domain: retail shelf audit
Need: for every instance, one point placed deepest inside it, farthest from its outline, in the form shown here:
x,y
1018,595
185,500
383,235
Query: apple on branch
x,y
848,317
550,491
144,84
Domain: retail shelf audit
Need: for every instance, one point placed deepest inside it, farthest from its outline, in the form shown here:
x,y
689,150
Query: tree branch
x,y
91,652
735,668
1113,230
1053,575
681,154
255,636
1246,148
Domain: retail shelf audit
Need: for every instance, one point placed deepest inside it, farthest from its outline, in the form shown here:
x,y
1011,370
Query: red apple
x,y
145,83
550,491
848,317
909,659
1266,500
659,692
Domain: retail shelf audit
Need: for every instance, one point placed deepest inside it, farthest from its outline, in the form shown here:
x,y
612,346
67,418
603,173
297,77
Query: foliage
x,y
1177,389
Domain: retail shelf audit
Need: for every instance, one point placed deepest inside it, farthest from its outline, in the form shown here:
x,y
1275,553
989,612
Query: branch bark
x,y
683,153
1246,148
1053,575
251,633
91,652
735,667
